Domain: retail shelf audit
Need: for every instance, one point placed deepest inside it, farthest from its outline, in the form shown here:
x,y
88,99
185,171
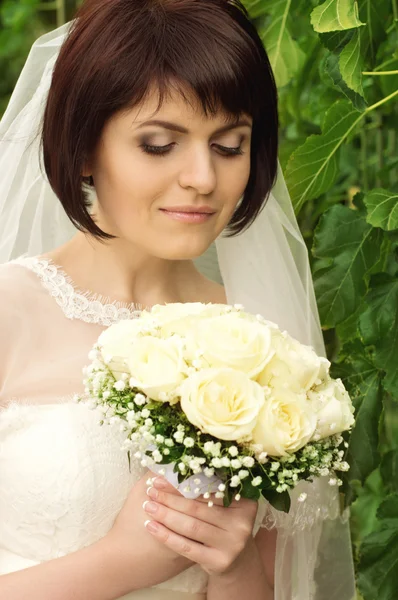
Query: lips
x,y
207,210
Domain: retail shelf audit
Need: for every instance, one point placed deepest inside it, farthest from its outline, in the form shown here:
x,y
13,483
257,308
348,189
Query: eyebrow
x,y
175,127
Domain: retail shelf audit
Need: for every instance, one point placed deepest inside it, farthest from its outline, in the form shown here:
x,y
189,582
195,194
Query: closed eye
x,y
225,151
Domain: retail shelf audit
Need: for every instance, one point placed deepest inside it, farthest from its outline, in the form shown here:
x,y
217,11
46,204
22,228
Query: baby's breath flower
x,y
189,442
221,487
119,386
248,461
275,466
233,450
257,481
210,504
179,436
159,438
219,494
217,463
238,497
225,461
209,472
139,399
145,413
169,442
235,481
302,497
243,474
262,459
166,451
236,463
332,481
206,495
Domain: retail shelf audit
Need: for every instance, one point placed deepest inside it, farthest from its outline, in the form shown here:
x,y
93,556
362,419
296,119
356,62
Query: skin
x,y
151,262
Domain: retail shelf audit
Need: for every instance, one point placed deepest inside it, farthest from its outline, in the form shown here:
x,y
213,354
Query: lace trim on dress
x,y
76,304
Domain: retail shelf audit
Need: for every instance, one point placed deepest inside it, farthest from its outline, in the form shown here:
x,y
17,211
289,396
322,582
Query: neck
x,y
122,272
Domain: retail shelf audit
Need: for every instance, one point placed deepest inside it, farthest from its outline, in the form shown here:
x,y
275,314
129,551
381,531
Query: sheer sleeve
x,y
42,352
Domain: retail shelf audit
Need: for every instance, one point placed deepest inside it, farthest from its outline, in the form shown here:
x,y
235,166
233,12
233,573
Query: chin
x,y
189,250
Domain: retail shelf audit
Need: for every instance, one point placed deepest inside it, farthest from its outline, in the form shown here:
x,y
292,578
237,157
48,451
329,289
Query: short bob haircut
x,y
116,50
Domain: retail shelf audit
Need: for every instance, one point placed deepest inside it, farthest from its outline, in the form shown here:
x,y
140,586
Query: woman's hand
x,y
145,561
213,537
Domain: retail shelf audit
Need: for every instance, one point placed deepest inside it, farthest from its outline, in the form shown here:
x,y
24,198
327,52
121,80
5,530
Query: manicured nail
x,y
160,483
151,526
152,493
150,507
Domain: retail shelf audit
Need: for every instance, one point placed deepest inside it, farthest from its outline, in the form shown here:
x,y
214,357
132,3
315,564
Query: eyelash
x,y
163,150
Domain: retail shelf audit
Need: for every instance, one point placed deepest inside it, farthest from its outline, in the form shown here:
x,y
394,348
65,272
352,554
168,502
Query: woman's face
x,y
169,182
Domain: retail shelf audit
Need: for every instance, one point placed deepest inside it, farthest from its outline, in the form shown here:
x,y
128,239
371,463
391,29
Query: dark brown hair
x,y
117,49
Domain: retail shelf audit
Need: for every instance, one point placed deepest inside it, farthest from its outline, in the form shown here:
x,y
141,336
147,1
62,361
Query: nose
x,y
198,171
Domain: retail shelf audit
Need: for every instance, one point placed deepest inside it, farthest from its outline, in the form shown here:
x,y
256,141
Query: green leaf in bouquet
x,y
313,168
250,491
335,15
280,501
382,208
379,327
378,566
349,248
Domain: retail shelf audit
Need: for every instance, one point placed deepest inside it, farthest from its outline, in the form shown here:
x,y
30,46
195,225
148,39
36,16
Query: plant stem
x,y
379,72
380,102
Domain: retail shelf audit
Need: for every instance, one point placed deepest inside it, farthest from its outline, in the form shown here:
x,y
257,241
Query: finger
x,y
185,525
162,484
215,515
192,550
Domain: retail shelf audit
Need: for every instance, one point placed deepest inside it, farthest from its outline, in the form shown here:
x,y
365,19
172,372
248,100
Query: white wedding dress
x,y
63,477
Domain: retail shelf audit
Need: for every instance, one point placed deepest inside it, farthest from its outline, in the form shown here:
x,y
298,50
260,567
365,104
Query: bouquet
x,y
220,401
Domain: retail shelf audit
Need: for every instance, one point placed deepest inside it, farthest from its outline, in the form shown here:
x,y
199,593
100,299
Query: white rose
x,y
232,340
294,365
181,318
117,341
222,402
157,366
285,424
333,406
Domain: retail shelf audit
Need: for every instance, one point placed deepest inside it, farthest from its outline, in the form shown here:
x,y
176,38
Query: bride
x,y
156,122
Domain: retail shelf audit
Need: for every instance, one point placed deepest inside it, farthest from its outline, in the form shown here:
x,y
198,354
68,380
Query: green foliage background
x,y
336,65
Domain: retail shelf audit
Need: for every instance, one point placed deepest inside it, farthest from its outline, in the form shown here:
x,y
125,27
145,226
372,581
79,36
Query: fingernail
x,y
160,483
150,507
151,525
152,493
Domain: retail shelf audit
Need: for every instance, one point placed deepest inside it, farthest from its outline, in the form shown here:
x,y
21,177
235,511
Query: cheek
x,y
127,188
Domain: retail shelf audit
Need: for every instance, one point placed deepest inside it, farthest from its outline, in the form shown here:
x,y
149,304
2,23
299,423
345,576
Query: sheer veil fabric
x,y
266,268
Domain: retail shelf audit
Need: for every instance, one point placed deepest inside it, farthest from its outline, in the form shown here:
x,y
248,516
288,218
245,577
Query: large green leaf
x,y
312,169
363,382
382,208
285,54
378,15
351,63
346,248
378,568
333,69
335,15
389,470
379,326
